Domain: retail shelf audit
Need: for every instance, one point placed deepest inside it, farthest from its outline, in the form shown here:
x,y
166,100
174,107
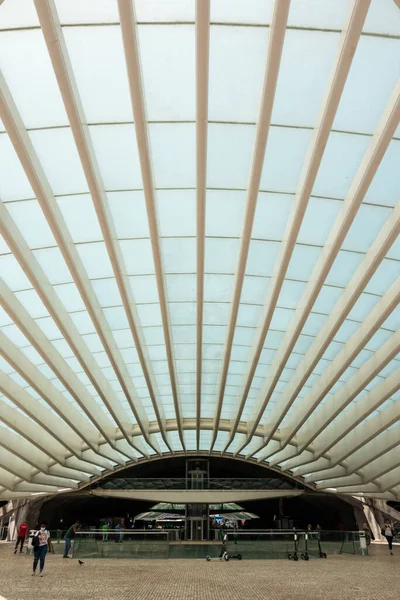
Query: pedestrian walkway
x,y
104,579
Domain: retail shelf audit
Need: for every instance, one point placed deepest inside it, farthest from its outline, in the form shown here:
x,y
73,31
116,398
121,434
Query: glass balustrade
x,y
251,545
211,483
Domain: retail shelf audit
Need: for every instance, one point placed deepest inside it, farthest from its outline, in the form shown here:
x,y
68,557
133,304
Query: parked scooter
x,y
294,556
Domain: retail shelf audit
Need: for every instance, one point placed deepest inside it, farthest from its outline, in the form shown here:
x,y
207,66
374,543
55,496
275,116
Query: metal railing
x,y
289,543
210,483
251,545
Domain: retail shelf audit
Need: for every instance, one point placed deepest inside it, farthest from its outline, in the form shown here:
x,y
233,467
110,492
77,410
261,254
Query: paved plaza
x,y
376,577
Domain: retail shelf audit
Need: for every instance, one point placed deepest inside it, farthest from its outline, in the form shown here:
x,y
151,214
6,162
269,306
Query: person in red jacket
x,y
22,531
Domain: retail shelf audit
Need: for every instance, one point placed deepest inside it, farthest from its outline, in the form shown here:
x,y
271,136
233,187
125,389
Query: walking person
x,y
224,538
22,531
40,540
69,536
388,532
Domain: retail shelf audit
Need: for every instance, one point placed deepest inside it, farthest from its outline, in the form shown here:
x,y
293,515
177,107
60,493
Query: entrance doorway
x,y
196,530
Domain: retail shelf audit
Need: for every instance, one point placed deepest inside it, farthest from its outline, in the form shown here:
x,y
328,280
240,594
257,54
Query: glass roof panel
x,y
318,219
384,187
95,259
26,65
97,59
144,288
224,213
80,217
383,17
53,264
70,297
303,262
343,268
176,212
181,288
271,216
138,256
345,151
229,153
220,255
179,255
305,68
32,303
237,60
284,158
117,156
21,13
56,163
233,11
171,70
14,184
384,277
160,11
365,227
262,257
376,83
173,154
254,289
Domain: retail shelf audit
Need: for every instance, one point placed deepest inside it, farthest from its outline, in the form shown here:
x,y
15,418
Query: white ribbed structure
x,y
200,218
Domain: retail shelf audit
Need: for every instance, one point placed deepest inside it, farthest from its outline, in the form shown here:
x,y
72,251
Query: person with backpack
x,y
40,541
22,531
388,531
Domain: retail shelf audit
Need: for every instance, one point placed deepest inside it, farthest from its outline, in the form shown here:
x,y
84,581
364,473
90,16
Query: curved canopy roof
x,y
200,218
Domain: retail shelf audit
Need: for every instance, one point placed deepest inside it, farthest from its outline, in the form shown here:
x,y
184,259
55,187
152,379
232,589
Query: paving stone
x,y
376,577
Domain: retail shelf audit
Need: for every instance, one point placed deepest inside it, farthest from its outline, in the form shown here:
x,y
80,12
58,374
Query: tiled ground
x,y
376,577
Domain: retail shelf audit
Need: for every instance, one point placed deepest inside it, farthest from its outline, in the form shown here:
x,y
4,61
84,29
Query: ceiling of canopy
x,y
200,218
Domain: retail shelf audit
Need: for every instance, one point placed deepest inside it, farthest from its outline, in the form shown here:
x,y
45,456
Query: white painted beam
x,y
202,67
22,470
353,387
273,61
49,392
328,429
12,482
364,433
390,480
132,57
56,46
365,272
347,45
61,317
351,349
53,423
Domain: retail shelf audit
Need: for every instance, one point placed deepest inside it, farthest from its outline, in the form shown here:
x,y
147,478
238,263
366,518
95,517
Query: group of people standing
x,y
118,536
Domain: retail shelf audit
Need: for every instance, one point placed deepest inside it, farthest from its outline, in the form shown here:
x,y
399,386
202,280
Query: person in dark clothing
x,y
224,538
69,536
388,532
22,531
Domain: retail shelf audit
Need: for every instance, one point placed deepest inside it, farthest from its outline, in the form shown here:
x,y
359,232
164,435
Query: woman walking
x,y
40,543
